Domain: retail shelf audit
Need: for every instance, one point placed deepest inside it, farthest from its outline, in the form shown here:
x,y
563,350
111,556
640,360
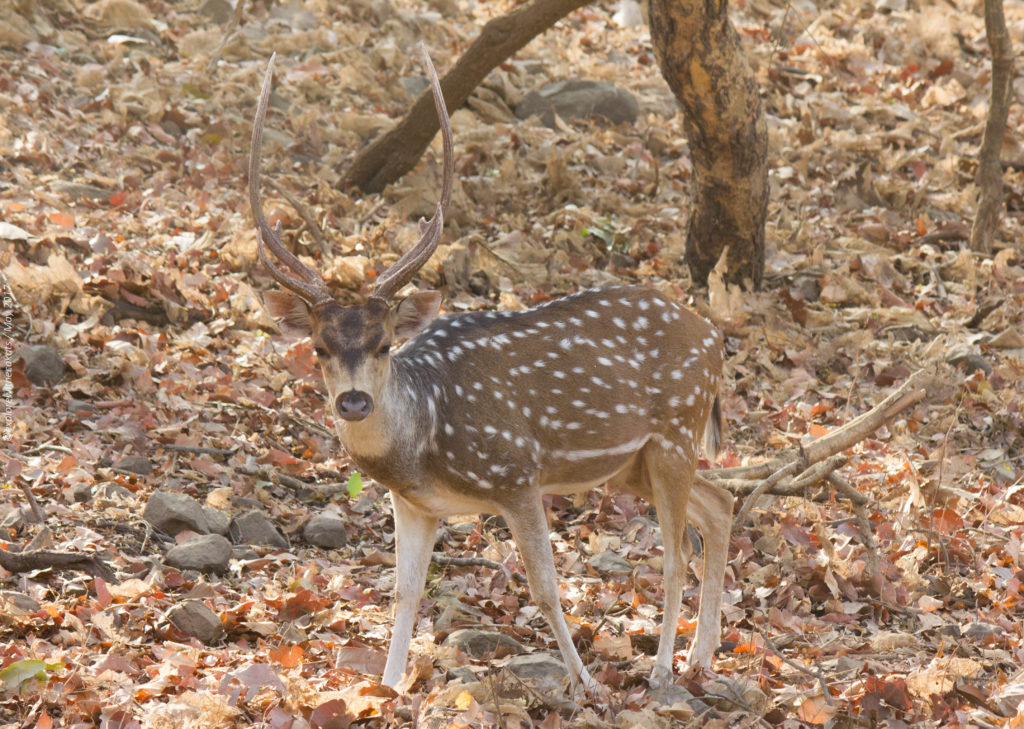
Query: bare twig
x,y
438,558
819,674
269,474
812,475
30,497
277,414
199,450
762,487
859,500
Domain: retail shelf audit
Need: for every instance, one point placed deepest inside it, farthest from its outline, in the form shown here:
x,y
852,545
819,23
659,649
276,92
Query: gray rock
x,y
19,601
578,99
326,530
610,563
482,644
414,85
462,673
218,521
983,631
205,553
172,513
727,692
219,11
135,464
16,519
43,365
253,527
81,493
195,618
542,668
111,492
968,359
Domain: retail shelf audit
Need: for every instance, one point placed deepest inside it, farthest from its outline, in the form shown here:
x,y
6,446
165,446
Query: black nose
x,y
354,405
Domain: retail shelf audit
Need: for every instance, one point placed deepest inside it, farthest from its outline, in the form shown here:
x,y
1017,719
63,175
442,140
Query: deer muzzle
x,y
354,405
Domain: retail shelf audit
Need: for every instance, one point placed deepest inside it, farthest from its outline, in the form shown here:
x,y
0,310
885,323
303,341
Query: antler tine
x,y
311,286
403,269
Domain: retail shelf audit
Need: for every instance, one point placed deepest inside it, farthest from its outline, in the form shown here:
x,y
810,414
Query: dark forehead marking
x,y
352,333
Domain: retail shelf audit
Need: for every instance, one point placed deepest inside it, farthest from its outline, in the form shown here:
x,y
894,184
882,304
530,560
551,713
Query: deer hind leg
x,y
529,527
668,471
711,510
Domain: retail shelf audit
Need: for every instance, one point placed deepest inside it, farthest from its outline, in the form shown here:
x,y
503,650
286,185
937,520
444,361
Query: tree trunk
x,y
701,59
990,171
393,154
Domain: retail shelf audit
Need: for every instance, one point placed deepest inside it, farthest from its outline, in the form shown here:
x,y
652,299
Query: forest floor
x,y
126,241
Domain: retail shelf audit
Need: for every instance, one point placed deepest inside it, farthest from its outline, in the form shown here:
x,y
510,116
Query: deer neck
x,y
395,434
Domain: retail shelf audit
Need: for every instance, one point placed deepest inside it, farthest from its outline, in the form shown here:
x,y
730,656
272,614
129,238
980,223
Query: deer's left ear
x,y
412,316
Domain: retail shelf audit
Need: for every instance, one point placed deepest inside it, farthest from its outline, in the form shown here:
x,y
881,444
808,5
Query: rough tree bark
x,y
701,59
393,154
990,171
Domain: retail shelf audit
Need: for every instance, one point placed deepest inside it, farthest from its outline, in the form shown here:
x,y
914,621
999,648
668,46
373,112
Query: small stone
x,y
253,527
414,85
43,365
970,361
134,464
984,632
80,408
111,491
18,603
462,673
172,513
610,563
218,521
219,11
579,99
481,644
195,618
205,553
81,493
326,530
542,668
727,692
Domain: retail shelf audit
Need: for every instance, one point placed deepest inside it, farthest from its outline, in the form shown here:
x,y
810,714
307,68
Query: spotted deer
x,y
486,412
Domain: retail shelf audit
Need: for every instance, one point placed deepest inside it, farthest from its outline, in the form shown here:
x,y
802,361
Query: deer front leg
x,y
415,534
529,528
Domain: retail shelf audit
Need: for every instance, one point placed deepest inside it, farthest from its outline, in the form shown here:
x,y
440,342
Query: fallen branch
x,y
864,524
907,394
273,476
817,461
396,152
809,477
41,559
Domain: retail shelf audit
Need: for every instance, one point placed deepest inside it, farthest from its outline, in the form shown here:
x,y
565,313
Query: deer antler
x,y
399,274
310,286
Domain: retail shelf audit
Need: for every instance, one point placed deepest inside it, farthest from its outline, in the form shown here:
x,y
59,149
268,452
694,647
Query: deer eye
x,y
383,349
321,353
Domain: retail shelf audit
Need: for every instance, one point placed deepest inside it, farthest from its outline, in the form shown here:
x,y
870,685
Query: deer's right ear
x,y
291,312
